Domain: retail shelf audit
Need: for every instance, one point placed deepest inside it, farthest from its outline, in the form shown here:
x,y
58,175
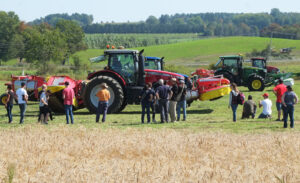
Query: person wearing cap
x,y
267,106
163,93
68,96
44,105
181,104
173,99
279,90
289,99
103,97
9,103
22,98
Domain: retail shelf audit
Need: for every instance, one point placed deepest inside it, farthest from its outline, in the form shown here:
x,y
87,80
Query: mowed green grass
x,y
214,116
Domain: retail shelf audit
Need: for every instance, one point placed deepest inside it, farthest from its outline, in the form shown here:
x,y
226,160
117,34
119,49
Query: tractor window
x,y
230,63
123,64
258,63
152,64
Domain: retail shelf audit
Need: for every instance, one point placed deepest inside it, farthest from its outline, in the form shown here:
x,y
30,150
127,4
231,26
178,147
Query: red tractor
x,y
261,62
126,76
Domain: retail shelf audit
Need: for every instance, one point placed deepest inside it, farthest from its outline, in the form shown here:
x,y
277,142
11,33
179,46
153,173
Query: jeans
x,y
234,108
172,109
9,115
68,110
181,104
145,108
22,112
102,109
164,110
288,110
152,106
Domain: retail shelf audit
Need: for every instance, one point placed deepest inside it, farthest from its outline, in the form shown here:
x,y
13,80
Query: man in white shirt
x,y
22,98
267,106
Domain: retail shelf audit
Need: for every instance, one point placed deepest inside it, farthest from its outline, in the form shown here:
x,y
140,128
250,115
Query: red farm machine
x,y
125,74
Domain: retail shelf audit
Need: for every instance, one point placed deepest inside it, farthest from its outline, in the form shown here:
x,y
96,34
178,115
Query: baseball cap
x,y
265,95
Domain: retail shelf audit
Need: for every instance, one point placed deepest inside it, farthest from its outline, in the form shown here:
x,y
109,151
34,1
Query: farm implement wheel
x,y
116,94
256,83
3,99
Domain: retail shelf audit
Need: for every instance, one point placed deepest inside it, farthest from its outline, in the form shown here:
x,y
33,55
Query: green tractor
x,y
255,78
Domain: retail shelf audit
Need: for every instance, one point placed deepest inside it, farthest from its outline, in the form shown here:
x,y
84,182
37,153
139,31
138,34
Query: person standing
x,y
289,99
233,99
146,96
267,106
279,90
44,105
181,104
173,100
249,108
22,98
68,96
163,93
9,102
103,96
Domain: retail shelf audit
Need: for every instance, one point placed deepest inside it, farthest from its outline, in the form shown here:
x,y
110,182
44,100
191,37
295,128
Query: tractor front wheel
x,y
3,99
256,83
116,94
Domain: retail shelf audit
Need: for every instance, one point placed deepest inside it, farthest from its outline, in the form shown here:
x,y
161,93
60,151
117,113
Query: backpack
x,y
241,98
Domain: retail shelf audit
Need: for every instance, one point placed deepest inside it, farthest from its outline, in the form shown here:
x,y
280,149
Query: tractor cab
x,y
259,62
262,63
232,64
125,63
155,63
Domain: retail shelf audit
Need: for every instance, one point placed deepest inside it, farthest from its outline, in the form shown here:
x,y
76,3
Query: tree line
x,y
41,43
208,24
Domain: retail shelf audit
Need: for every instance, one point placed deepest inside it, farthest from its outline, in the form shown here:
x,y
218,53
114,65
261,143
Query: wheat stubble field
x,y
63,154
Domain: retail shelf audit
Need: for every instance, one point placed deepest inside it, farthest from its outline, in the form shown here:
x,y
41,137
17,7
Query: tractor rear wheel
x,y
256,83
226,75
3,99
116,94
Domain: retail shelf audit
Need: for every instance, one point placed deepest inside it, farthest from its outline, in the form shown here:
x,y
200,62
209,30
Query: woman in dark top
x,y
233,99
9,102
289,99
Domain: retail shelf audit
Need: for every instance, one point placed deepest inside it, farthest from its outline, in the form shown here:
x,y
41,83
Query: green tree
x,y
9,27
43,44
73,34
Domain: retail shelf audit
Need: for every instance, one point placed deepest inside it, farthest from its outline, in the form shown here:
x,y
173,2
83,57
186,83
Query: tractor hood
x,y
164,73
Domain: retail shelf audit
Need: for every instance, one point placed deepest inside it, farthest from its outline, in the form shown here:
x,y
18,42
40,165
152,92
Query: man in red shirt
x,y
279,90
68,95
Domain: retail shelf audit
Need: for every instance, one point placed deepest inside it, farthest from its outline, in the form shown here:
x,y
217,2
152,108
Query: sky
x,y
137,10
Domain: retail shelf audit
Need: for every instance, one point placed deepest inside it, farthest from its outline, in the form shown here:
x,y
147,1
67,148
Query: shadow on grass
x,y
193,111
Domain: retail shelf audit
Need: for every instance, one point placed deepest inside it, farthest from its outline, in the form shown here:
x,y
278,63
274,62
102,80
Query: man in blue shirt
x,y
163,94
146,96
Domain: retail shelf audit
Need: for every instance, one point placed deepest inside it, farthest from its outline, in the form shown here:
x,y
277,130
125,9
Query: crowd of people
x,y
286,98
170,100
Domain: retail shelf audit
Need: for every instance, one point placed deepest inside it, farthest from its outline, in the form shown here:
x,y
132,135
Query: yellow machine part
x,y
212,94
54,89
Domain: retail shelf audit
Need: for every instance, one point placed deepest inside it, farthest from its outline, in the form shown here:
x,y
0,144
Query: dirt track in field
x,y
63,154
